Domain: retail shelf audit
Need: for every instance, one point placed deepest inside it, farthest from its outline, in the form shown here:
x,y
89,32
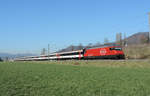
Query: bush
x,y
1,59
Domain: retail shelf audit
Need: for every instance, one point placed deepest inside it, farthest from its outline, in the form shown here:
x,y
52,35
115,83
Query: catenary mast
x,y
149,27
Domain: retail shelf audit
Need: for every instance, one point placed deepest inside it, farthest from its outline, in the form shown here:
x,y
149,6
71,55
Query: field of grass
x,y
75,78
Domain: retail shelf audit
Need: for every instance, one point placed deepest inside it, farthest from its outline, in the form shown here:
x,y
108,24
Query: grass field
x,y
75,78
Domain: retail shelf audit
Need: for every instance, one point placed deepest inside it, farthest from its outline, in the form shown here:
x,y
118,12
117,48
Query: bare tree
x,y
144,40
97,44
89,45
43,52
72,48
80,46
125,40
119,39
106,41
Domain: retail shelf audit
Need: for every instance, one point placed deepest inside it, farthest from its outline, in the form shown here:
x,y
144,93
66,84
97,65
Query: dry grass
x,y
137,51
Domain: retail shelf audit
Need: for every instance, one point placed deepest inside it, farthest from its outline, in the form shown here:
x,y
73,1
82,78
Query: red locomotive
x,y
105,52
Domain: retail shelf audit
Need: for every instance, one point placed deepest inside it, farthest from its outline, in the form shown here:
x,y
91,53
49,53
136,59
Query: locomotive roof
x,y
105,46
66,52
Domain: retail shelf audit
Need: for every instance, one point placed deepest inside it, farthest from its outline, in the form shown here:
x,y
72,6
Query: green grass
x,y
74,78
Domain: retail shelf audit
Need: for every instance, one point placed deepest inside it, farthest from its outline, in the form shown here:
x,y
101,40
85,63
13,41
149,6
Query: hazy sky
x,y
29,25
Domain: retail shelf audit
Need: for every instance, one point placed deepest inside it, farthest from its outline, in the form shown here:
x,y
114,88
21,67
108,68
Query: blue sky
x,y
27,26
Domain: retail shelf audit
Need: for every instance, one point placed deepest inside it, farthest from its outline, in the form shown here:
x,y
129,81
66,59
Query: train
x,y
103,52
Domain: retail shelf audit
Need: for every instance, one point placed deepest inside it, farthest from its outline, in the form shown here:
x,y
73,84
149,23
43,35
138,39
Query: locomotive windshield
x,y
116,49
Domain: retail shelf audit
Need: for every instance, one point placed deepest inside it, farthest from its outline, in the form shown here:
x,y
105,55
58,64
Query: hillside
x,y
8,55
138,38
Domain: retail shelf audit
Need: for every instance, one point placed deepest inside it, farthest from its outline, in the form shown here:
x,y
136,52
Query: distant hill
x,y
4,55
138,38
